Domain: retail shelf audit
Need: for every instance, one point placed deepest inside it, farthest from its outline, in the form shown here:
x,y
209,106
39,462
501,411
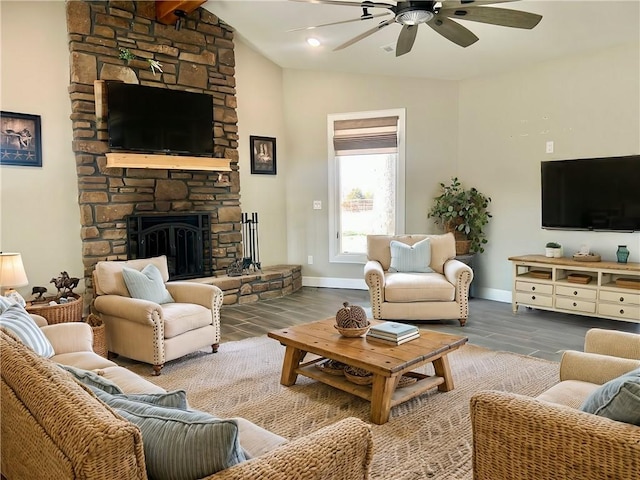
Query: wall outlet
x,y
549,146
317,205
310,260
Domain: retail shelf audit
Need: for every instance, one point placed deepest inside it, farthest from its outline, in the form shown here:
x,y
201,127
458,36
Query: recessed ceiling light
x,y
314,42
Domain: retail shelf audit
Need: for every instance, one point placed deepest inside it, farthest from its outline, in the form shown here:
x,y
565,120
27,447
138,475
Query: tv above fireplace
x,y
159,120
591,194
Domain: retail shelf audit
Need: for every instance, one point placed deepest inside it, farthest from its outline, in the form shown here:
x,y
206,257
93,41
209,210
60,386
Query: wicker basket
x,y
99,341
353,332
59,313
350,374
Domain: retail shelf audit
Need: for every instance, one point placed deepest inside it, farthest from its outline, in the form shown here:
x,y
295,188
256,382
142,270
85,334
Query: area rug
x,y
428,437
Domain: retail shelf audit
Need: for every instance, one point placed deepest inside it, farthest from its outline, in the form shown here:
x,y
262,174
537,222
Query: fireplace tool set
x,y
250,247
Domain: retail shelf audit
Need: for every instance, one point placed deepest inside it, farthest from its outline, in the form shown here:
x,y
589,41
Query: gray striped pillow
x,y
16,319
181,444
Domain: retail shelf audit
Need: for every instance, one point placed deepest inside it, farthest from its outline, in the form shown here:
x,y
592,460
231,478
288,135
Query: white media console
x,y
596,289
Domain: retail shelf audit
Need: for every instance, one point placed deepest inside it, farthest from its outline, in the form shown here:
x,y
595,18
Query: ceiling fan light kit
x,y
414,17
437,15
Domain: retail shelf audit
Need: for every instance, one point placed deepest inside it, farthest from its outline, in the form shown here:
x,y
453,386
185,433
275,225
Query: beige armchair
x,y
441,294
149,332
548,437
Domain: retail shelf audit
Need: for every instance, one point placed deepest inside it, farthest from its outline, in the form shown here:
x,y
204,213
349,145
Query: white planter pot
x,y
553,252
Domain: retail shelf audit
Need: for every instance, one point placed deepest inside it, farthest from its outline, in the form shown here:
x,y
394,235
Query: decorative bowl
x,y
331,367
358,375
353,332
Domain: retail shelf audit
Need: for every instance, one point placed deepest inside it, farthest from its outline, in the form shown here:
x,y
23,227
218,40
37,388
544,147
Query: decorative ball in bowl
x,y
353,332
352,321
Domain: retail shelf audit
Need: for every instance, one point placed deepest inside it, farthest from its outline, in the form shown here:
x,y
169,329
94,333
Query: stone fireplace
x,y
199,57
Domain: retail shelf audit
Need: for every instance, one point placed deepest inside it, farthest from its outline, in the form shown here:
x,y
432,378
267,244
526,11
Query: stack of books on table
x,y
393,333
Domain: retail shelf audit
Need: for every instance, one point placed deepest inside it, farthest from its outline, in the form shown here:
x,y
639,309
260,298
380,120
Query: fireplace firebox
x,y
184,238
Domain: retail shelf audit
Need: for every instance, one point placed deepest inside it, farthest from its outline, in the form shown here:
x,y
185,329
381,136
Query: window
x,y
366,180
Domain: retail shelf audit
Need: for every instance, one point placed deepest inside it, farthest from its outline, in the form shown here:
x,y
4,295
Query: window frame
x,y
335,256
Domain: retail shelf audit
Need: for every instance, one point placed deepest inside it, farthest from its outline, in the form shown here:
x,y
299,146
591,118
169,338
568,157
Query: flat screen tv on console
x,y
159,120
592,194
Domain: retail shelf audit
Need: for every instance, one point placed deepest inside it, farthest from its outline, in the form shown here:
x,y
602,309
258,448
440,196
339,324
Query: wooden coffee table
x,y
387,362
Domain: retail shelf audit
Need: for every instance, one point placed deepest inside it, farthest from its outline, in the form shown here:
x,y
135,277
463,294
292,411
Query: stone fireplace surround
x,y
200,58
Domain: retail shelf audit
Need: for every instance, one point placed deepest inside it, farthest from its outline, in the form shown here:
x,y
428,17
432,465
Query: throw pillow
x,y
408,258
175,399
18,320
181,444
5,303
92,379
146,284
618,399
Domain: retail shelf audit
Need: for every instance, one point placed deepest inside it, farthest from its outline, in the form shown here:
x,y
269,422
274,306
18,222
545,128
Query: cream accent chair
x,y
153,333
443,294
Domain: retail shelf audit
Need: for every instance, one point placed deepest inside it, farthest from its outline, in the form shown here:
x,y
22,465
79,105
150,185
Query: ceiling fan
x,y
438,15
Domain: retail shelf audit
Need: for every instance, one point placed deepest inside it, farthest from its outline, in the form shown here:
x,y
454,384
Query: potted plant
x,y
463,212
553,250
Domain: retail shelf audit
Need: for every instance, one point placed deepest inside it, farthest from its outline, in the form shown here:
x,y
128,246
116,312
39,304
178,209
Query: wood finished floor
x,y
491,324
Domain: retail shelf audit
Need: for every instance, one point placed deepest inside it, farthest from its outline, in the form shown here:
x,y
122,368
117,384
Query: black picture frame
x,y
20,139
263,155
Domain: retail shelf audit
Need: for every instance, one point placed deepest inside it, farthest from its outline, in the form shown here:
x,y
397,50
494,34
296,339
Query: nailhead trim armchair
x,y
443,294
153,333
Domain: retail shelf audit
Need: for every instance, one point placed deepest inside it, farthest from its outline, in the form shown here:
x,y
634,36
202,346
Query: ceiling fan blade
x,y
468,3
366,34
494,16
406,39
365,4
340,23
452,31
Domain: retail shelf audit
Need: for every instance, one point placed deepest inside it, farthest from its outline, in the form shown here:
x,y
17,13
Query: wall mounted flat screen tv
x,y
592,194
159,120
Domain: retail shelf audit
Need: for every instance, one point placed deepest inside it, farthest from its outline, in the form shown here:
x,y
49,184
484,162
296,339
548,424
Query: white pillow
x,y
19,322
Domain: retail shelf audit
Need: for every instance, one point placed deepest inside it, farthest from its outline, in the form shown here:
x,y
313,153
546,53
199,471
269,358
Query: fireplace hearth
x,y
184,238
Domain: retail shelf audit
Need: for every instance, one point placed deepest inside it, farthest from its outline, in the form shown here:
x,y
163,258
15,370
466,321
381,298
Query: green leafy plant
x,y
127,56
553,245
463,211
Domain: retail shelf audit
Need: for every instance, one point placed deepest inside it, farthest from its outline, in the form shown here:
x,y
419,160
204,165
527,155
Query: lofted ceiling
x,y
568,27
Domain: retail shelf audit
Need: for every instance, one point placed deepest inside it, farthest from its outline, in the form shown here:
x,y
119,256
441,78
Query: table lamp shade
x,y
12,272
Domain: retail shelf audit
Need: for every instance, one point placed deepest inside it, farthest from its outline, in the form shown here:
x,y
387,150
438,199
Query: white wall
x,y
260,112
589,106
39,213
431,152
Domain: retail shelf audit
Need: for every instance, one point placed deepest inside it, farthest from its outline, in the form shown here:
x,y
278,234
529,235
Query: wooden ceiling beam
x,y
165,9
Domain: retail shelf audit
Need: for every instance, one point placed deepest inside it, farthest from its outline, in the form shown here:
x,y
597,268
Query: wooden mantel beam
x,y
169,162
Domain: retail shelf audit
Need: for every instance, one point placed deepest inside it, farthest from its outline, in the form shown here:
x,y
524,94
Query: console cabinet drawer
x,y
534,287
618,297
576,292
575,305
629,312
534,299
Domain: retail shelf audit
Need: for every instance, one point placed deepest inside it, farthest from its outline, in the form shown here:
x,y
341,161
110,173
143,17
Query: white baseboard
x,y
327,282
503,296
359,284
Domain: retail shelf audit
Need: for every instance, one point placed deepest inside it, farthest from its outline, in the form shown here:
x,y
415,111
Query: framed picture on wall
x,y
20,140
263,155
